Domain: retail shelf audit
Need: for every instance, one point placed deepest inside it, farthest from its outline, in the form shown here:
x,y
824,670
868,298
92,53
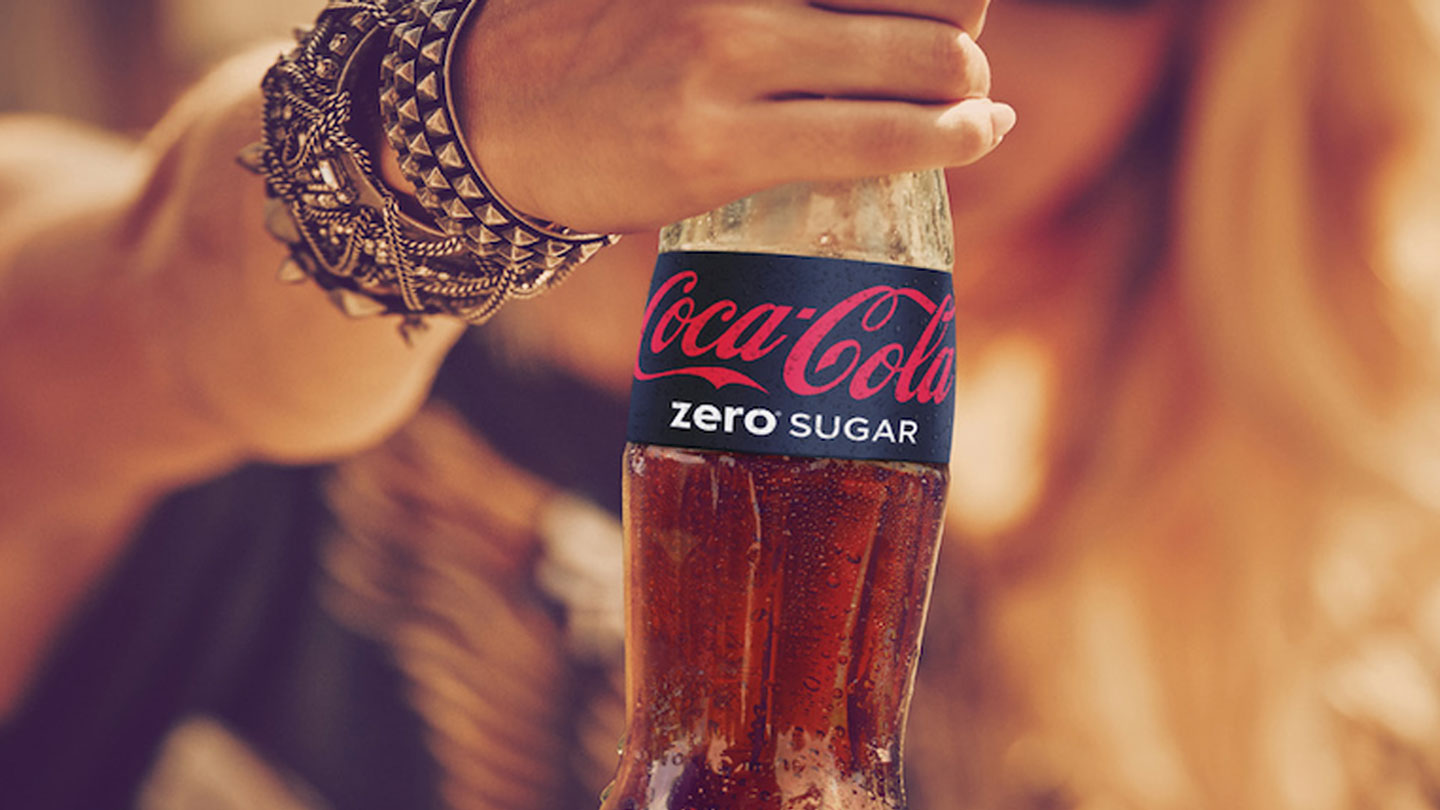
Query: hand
x,y
620,115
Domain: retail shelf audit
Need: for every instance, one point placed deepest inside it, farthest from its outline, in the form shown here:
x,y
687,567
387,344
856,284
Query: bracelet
x,y
346,231
415,81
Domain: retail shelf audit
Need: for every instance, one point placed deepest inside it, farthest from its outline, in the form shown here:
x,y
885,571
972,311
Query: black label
x,y
793,355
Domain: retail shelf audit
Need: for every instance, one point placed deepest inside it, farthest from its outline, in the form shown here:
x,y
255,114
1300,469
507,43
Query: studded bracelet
x,y
345,229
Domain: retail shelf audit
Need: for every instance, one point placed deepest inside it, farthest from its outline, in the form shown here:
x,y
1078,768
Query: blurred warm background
x,y
119,62
1342,626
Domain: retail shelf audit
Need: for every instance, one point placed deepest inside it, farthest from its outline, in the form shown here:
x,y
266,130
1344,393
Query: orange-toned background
x,y
119,62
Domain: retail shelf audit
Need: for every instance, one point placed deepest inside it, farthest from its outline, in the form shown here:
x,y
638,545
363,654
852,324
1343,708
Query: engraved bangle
x,y
415,100
346,231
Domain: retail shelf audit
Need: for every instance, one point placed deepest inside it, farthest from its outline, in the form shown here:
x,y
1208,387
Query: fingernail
x,y
1002,119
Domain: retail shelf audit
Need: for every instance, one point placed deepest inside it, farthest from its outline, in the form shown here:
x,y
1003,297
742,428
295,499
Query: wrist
x,y
333,205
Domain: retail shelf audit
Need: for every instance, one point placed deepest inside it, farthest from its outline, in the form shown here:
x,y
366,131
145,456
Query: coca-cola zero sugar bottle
x,y
784,491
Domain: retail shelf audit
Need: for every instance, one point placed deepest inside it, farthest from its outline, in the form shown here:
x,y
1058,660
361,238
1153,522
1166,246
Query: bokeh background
x,y
120,62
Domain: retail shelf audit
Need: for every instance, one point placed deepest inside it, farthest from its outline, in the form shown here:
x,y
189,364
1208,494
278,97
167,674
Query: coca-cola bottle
x,y
784,491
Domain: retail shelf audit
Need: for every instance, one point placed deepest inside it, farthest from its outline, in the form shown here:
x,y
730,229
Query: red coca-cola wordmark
x,y
839,346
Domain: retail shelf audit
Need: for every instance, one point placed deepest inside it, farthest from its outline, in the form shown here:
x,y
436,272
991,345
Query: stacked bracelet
x,y
415,101
346,231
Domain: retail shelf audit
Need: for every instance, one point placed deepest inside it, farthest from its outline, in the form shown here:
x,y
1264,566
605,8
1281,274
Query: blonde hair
x,y
1237,599
1313,136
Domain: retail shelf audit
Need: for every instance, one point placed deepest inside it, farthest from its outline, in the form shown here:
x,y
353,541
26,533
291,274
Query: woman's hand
x,y
618,115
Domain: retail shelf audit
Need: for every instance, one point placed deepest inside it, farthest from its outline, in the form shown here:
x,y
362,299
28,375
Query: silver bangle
x,y
346,231
415,81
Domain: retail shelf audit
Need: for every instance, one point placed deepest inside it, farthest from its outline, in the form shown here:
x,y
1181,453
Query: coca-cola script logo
x,y
823,350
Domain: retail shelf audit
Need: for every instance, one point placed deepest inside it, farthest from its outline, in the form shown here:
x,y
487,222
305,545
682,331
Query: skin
x,y
1085,73
623,116
729,96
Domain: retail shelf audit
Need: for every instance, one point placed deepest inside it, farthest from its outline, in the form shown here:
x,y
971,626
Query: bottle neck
x,y
896,219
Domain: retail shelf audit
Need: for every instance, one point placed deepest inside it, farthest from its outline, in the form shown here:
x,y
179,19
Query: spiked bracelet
x,y
346,231
415,80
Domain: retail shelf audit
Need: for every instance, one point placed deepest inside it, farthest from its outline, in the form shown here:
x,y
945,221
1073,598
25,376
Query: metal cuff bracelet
x,y
346,230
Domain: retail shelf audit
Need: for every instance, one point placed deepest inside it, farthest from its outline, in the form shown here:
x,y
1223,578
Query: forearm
x,y
145,344
148,325
86,436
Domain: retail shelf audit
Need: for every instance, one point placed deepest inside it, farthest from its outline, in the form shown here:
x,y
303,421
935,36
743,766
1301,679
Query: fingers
x,y
804,93
863,56
632,114
831,139
967,15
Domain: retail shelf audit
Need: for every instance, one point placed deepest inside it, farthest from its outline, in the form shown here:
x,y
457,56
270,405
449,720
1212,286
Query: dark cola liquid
x,y
775,607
